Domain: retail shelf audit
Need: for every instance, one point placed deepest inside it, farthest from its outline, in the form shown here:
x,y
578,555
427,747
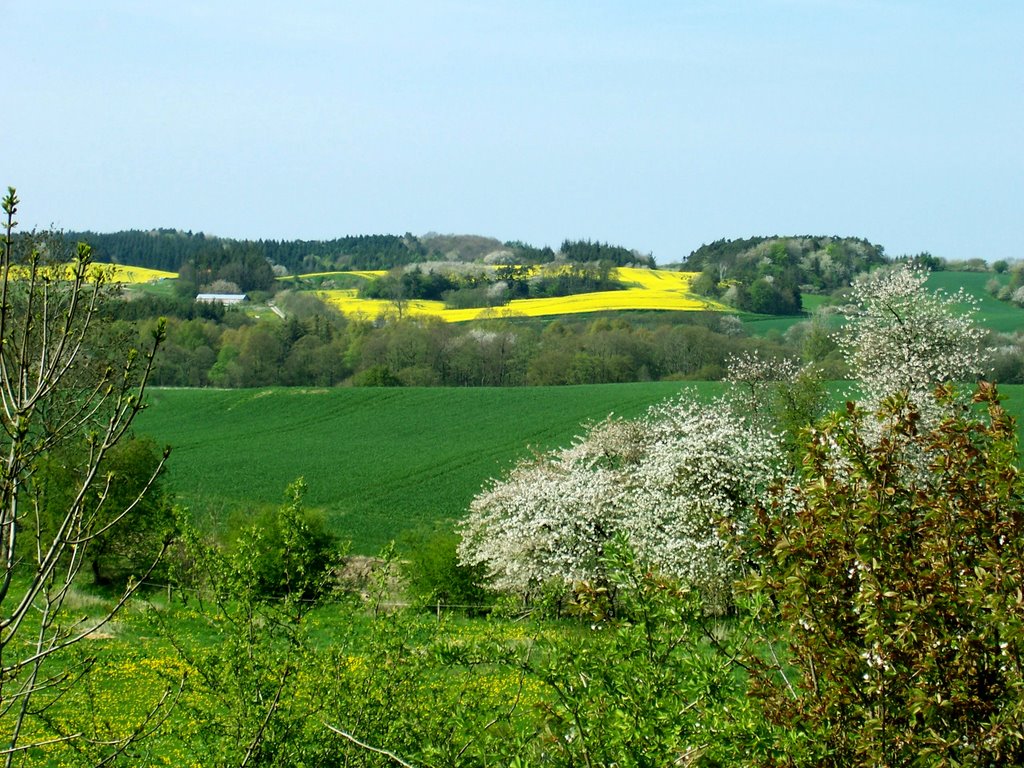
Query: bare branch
x,y
362,745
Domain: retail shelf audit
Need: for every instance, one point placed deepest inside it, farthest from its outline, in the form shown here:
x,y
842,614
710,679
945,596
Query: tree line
x,y
171,250
208,345
317,346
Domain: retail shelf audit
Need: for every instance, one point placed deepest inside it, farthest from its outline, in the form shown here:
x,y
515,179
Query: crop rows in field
x,y
377,461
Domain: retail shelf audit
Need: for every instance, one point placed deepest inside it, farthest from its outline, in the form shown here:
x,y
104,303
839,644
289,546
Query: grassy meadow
x,y
994,314
1001,316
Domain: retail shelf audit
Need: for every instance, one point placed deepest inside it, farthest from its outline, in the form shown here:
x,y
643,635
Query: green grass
x,y
378,462
811,301
994,314
162,288
770,325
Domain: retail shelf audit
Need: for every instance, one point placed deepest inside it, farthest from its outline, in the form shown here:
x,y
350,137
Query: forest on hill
x,y
768,275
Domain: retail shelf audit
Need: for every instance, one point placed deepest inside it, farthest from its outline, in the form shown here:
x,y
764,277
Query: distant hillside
x,y
171,250
768,275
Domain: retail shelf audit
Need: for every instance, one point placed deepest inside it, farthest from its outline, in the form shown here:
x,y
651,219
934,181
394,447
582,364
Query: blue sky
x,y
654,125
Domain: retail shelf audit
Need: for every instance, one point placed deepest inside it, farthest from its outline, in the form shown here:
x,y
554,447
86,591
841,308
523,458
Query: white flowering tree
x,y
903,338
781,394
667,482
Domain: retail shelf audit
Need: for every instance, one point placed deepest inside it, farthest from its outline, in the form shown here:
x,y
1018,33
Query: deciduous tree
x,y
901,337
667,482
59,390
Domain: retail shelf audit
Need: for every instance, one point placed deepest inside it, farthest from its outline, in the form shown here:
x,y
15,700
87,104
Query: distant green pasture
x,y
161,288
992,313
769,325
377,461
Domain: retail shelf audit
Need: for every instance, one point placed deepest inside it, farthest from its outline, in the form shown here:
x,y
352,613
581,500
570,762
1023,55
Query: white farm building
x,y
222,298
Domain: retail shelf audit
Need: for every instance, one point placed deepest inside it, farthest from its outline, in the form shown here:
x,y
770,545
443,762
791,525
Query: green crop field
x,y
769,325
992,313
377,461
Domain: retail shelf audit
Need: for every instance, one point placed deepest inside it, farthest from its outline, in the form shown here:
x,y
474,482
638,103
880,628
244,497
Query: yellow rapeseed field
x,y
114,273
647,289
132,275
365,273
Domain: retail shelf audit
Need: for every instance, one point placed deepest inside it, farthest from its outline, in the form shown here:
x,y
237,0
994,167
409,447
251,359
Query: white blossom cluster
x,y
666,481
903,338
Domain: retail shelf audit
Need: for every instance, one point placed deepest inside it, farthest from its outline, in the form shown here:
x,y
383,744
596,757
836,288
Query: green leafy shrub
x,y
646,680
898,582
133,468
255,673
289,551
435,577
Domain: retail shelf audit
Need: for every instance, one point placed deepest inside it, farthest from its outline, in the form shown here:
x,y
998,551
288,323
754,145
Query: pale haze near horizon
x,y
658,126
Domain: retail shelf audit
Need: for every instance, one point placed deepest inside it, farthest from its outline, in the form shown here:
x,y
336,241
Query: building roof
x,y
224,298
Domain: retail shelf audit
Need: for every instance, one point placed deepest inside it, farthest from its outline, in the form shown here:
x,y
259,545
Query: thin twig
x,y
266,720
